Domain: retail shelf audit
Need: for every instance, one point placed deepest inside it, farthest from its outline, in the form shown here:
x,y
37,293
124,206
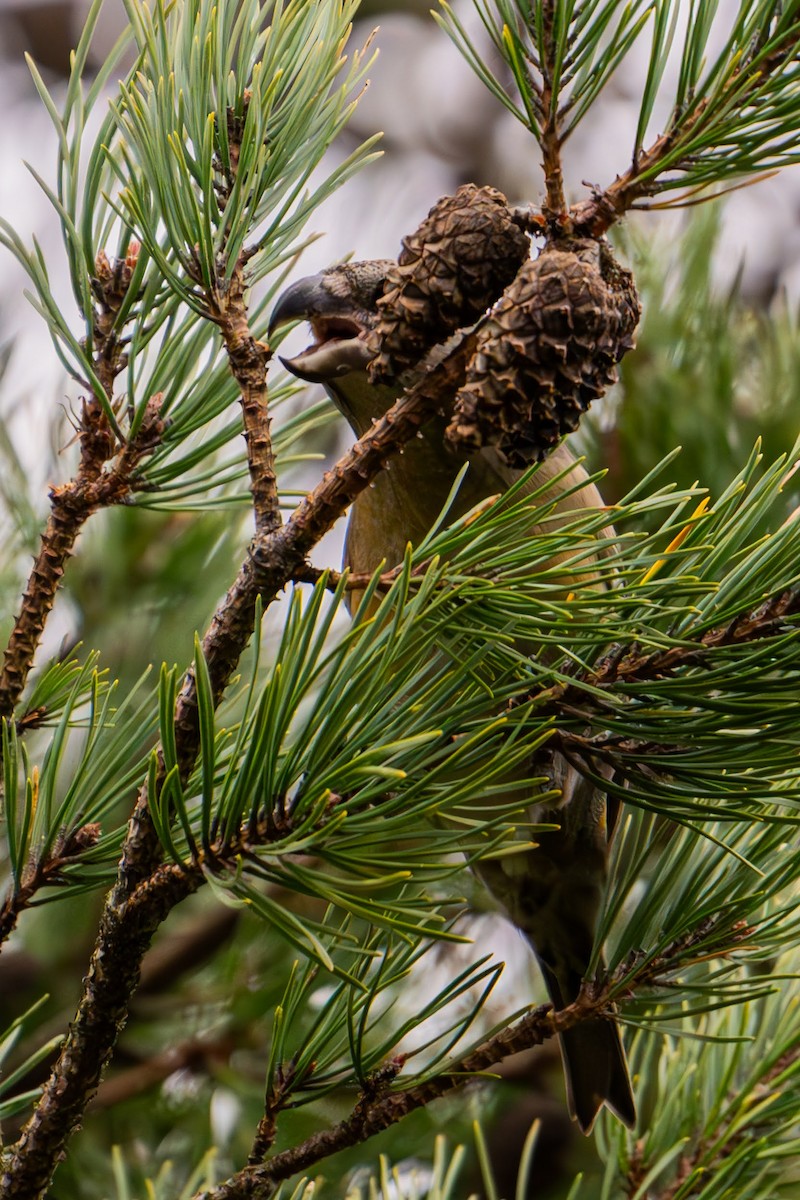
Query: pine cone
x,y
449,272
549,348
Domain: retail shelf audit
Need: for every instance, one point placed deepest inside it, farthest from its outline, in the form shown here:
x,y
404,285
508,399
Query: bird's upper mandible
x,y
340,305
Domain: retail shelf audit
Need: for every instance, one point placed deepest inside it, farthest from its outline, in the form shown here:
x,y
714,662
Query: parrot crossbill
x,y
553,892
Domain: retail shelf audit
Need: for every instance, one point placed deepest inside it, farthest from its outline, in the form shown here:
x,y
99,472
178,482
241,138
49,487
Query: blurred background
x,y
717,365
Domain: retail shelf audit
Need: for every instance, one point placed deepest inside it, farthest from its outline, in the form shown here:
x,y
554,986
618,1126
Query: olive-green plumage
x,y
552,893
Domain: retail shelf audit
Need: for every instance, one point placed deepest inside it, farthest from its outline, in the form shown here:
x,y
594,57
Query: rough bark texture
x,y
72,504
38,598
248,360
112,977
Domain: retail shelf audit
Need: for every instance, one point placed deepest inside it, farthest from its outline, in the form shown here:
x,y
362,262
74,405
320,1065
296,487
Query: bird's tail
x,y
553,894
596,1073
595,1069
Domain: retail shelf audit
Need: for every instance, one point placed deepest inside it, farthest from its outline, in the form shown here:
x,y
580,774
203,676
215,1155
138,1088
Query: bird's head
x,y
340,306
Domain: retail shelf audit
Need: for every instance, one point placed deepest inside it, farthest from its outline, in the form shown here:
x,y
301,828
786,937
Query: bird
x,y
553,892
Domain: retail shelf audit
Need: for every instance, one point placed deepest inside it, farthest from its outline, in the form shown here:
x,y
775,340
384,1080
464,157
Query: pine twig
x,y
593,217
72,504
248,361
354,581
626,664
373,1114
550,140
380,1108
44,873
93,487
706,1155
267,1129
247,356
70,508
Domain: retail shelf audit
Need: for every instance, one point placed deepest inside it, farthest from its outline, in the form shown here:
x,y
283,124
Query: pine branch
x,y
735,113
720,1143
248,357
354,581
674,150
267,1130
144,893
264,192
196,232
379,1107
582,703
626,664
72,504
248,360
46,872
95,485
605,207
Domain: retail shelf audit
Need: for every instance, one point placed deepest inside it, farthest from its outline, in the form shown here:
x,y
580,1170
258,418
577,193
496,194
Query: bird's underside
x,y
552,893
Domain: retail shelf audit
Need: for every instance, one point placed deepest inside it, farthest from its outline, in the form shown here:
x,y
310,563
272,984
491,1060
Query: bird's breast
x,y
409,495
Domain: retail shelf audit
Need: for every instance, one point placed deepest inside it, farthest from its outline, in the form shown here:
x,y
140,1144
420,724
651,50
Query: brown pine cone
x,y
549,348
450,271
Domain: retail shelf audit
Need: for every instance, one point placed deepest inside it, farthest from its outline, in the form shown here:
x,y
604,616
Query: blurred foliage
x,y
401,6
711,373
145,581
